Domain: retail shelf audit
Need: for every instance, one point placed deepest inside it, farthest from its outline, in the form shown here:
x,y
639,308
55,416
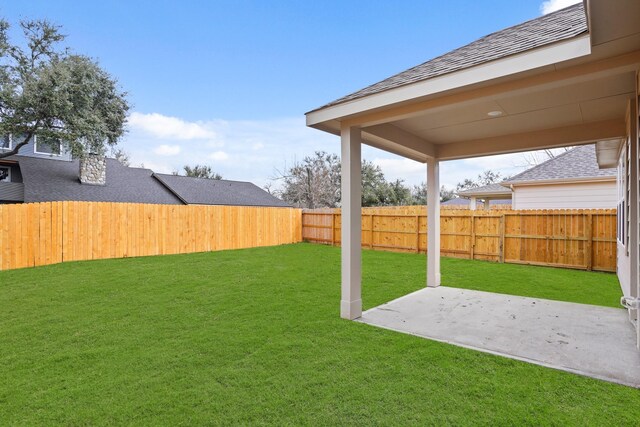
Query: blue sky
x,y
227,83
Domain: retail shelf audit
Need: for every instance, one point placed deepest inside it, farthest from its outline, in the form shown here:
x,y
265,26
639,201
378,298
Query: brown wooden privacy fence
x,y
46,233
583,239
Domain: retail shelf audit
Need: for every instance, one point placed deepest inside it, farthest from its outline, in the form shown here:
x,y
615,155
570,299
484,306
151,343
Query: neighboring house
x,y
36,147
572,180
202,191
464,203
488,194
34,177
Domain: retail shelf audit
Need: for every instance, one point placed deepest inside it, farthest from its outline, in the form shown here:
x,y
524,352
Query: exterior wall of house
x,y
587,195
11,187
628,220
622,233
30,150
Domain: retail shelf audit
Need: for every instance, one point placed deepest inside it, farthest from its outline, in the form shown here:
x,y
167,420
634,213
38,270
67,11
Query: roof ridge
x,y
512,179
197,177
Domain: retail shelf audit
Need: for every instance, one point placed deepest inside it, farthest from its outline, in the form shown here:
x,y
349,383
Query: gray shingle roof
x,y
465,202
577,163
456,202
56,180
496,188
554,27
218,192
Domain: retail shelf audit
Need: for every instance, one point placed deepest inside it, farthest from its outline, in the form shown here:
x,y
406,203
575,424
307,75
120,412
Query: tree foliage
x,y
200,171
534,158
120,155
314,182
485,178
419,194
48,92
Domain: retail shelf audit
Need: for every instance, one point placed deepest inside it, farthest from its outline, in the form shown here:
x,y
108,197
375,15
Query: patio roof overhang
x,y
575,88
572,92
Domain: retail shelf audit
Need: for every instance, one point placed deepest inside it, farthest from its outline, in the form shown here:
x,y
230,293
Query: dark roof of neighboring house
x,y
456,202
554,27
496,188
205,191
56,180
578,163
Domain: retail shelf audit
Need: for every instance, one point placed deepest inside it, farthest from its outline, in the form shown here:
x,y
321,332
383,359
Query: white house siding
x,y
588,195
623,267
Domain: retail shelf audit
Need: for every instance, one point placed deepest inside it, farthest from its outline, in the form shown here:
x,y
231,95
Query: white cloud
x,y
549,6
167,150
167,127
255,150
397,167
219,155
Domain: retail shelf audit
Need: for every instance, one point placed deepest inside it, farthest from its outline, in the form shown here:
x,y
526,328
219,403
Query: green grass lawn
x,y
254,337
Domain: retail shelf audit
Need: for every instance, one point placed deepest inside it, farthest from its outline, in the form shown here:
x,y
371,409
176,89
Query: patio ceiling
x,y
572,92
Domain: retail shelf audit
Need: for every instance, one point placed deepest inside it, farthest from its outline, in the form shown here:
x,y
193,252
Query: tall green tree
x,y
48,92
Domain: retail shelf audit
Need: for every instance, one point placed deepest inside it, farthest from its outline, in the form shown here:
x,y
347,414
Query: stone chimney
x,y
93,169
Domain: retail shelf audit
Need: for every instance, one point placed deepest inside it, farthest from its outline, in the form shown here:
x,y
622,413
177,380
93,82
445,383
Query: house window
x,y
5,142
5,174
48,146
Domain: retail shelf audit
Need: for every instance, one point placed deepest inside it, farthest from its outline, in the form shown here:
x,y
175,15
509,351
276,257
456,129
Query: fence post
x,y
333,228
417,234
501,248
371,231
589,242
473,235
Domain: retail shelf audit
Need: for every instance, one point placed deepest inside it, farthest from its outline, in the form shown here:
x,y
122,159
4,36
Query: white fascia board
x,y
507,192
584,180
500,196
526,61
608,153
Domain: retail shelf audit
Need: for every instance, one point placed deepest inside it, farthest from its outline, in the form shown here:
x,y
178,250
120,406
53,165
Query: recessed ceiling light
x,y
496,113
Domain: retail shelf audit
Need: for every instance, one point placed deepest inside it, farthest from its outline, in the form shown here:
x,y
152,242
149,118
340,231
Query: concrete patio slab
x,y
595,341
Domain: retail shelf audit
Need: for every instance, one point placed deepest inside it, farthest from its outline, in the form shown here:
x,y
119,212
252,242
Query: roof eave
x,y
326,118
506,193
581,180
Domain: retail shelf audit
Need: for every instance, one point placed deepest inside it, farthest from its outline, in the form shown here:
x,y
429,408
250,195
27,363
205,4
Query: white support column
x,y
487,204
433,222
637,195
472,203
351,300
634,256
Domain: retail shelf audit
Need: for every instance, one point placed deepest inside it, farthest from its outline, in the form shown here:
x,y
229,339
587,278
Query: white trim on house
x,y
10,142
559,181
35,148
